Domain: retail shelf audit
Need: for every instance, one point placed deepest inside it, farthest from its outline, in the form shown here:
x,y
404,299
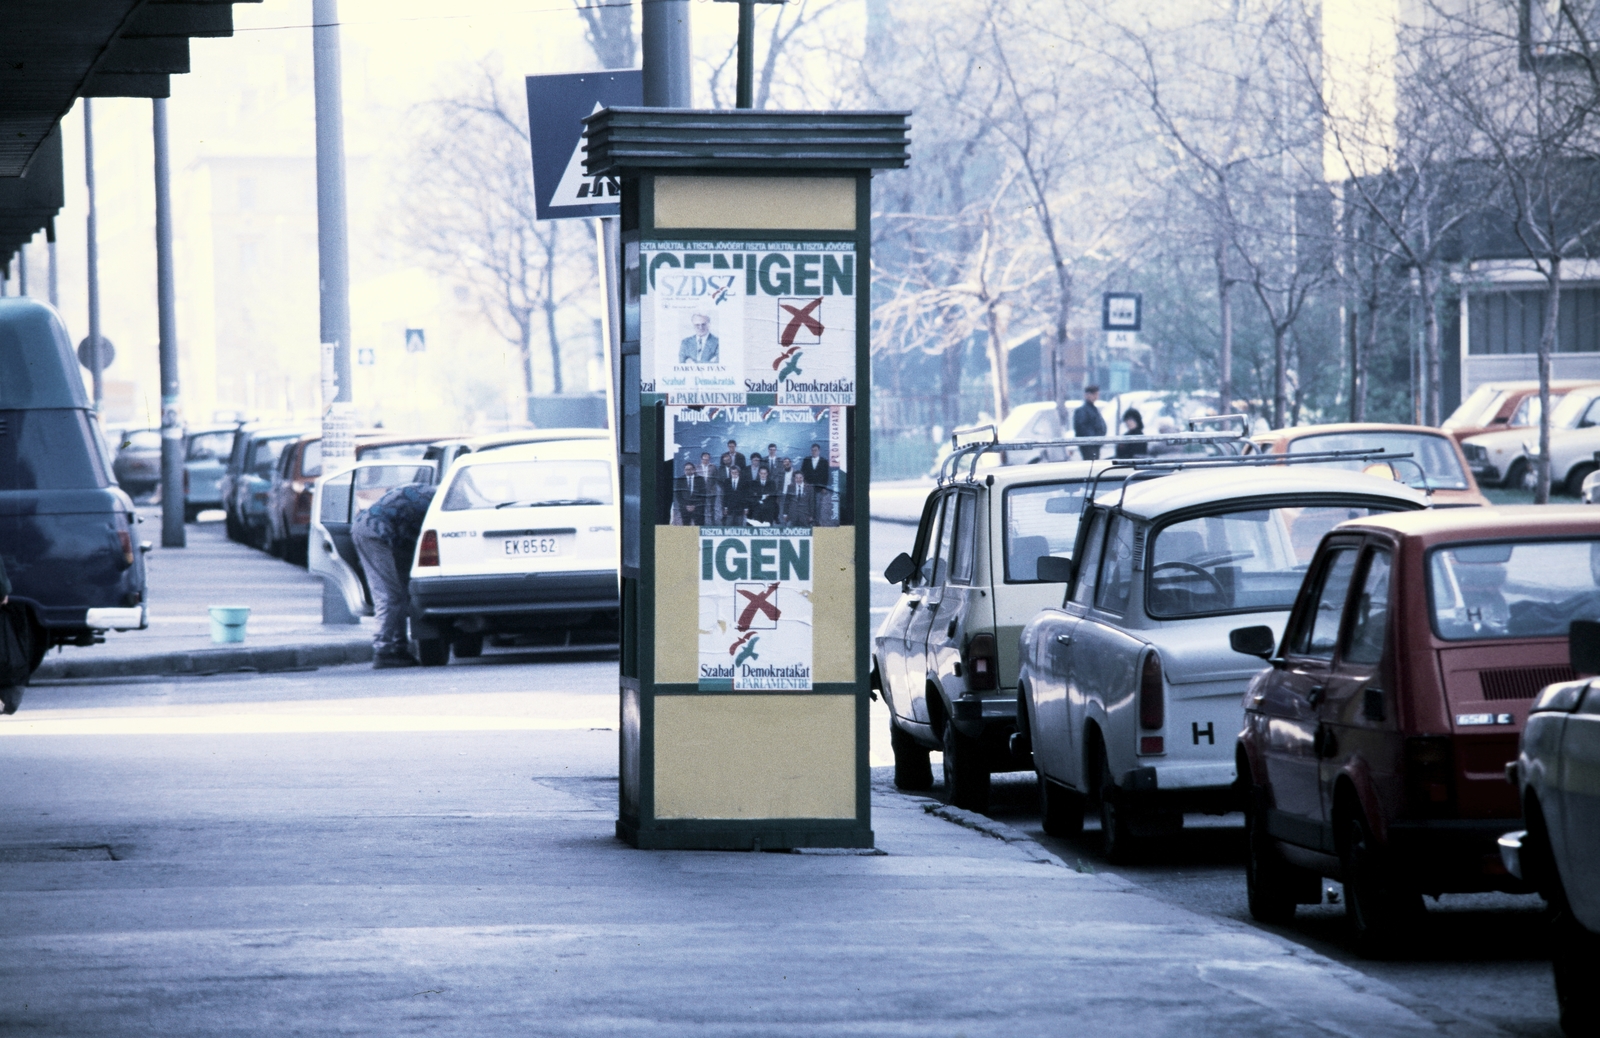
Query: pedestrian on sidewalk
x,y
1132,425
385,536
1087,421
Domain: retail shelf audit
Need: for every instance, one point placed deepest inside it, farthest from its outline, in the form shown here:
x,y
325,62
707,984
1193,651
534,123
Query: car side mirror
x,y
899,571
1255,641
1583,647
1053,569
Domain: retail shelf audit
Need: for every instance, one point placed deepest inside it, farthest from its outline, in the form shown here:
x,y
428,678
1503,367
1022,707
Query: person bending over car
x,y
385,536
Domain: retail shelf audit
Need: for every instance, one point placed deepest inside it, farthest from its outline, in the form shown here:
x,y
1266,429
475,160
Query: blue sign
x,y
557,107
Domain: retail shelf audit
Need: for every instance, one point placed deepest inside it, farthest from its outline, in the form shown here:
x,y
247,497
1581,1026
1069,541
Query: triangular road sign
x,y
578,188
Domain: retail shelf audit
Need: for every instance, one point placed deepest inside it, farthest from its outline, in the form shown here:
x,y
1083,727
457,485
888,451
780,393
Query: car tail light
x,y
302,506
125,542
1152,697
1152,744
1430,775
983,664
428,554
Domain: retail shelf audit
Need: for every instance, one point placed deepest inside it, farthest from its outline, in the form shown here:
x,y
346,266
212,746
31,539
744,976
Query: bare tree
x,y
470,215
608,26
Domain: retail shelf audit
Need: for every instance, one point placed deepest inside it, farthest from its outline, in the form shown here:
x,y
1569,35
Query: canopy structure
x,y
53,52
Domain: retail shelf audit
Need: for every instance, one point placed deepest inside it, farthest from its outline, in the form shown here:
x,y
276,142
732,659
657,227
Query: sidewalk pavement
x,y
285,630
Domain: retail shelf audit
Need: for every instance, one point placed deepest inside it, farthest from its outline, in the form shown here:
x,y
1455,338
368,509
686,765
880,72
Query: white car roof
x,y
1152,498
600,450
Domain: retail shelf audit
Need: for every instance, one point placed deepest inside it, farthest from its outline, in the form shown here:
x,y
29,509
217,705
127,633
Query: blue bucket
x,y
227,623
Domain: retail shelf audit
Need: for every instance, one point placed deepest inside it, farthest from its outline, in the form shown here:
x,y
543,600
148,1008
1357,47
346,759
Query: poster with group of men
x,y
753,347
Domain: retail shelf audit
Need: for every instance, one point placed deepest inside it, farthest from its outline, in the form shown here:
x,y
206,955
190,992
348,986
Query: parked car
x,y
248,478
205,459
1437,465
1375,744
502,518
443,453
68,533
299,464
137,461
1128,691
1506,457
1557,851
1497,406
337,499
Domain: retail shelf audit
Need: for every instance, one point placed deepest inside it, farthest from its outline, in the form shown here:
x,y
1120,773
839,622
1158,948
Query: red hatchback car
x,y
1375,747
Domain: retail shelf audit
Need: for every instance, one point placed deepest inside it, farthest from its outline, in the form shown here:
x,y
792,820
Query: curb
x,y
209,661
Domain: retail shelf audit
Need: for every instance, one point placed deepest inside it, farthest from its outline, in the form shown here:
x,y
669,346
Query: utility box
x,y
746,244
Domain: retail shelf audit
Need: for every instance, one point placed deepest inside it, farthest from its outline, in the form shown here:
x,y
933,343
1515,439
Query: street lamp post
x,y
172,503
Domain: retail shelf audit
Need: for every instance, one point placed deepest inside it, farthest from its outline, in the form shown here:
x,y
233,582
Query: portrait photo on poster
x,y
752,467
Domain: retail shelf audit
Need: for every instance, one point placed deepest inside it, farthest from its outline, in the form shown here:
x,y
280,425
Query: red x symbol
x,y
758,602
800,317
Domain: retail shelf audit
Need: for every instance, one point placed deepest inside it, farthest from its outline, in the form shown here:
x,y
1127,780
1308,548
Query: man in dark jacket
x,y
385,536
1087,421
690,496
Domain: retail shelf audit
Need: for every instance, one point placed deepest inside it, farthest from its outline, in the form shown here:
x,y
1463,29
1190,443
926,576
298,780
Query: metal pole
x,y
95,366
664,34
50,239
333,264
744,90
22,270
172,503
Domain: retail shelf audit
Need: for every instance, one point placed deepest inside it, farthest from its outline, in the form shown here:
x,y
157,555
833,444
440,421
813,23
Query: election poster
x,y
755,609
755,466
724,321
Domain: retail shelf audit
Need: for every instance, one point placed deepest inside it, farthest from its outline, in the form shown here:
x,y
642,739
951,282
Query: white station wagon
x,y
518,540
1129,693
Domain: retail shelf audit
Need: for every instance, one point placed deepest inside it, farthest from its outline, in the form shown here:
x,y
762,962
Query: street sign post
x,y
557,106
745,251
1121,312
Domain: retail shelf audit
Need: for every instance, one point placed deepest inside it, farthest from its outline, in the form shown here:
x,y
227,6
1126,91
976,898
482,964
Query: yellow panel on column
x,y
833,604
760,756
677,604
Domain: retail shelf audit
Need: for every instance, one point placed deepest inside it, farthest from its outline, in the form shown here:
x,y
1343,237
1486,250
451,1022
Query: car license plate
x,y
521,546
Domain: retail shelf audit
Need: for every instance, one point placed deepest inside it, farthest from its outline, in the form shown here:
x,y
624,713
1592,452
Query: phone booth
x,y
745,255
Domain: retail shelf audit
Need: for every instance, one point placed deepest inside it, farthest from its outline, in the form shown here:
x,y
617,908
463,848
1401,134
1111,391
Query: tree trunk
x,y
1357,375
1547,343
525,326
550,308
1225,352
1280,375
1433,390
950,385
997,365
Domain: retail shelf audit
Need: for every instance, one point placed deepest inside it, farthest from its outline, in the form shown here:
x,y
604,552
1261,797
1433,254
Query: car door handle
x,y
1316,695
913,603
1063,639
950,632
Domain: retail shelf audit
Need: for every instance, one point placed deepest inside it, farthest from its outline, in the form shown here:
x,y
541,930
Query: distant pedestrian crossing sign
x,y
557,106
366,357
416,342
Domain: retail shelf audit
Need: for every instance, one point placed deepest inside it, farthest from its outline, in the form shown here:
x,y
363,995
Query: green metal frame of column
x,y
638,145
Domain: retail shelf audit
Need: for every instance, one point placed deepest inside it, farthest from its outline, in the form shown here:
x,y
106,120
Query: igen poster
x,y
755,609
721,321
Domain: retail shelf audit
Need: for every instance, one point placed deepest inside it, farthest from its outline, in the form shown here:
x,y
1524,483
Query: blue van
x,y
67,531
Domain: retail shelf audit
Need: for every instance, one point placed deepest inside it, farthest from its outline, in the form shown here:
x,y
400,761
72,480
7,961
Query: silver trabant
x,y
1129,693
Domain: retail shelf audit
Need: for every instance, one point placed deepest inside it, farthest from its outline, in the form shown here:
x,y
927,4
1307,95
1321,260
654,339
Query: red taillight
x,y
126,543
1430,775
1152,697
1152,744
983,665
302,506
428,553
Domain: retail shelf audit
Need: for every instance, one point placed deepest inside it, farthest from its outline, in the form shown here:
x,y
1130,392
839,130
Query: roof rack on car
x,y
949,469
1221,419
1167,466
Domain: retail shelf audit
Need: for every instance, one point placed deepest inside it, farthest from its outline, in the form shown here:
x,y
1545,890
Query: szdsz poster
x,y
721,321
755,608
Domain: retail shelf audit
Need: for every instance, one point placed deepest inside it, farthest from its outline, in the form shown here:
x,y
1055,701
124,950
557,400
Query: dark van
x,y
66,528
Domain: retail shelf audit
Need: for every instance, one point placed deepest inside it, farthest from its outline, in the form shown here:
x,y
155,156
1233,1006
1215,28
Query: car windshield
x,y
1513,590
1238,561
1565,415
267,454
1041,520
1475,410
143,440
392,452
1435,454
1527,412
210,446
530,484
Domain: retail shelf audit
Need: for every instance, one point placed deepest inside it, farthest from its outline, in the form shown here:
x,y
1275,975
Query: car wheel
x,y
912,769
433,652
1574,959
1117,841
232,529
966,775
468,646
1575,478
191,513
1273,886
1060,809
1380,911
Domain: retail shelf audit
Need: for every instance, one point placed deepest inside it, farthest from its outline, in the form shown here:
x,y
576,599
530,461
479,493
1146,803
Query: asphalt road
x,y
1479,954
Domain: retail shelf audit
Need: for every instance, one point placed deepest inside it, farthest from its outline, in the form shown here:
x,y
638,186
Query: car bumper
x,y
130,618
1511,851
492,594
1460,855
1486,474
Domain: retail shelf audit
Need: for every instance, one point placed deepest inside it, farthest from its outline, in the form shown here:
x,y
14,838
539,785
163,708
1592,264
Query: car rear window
x,y
392,452
210,446
1511,589
530,484
1434,454
1242,560
1040,519
50,449
143,440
